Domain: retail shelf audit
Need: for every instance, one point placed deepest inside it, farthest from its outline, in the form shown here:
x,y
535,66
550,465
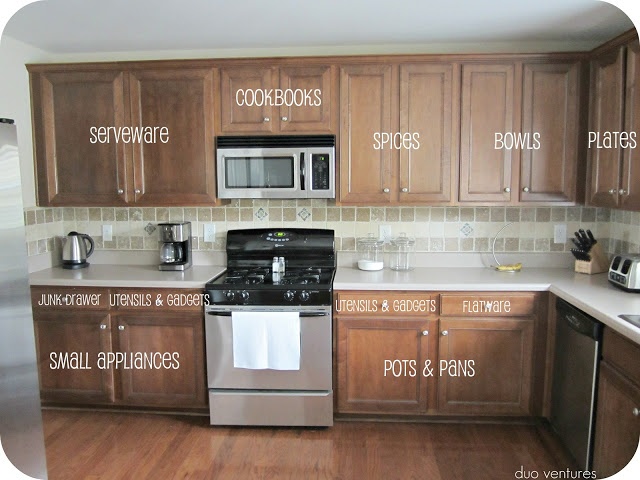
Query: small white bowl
x,y
370,265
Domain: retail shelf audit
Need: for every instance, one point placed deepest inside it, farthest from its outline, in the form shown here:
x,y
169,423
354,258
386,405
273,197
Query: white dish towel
x,y
266,340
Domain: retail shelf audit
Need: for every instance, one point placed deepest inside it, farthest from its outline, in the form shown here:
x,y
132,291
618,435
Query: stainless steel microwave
x,y
276,166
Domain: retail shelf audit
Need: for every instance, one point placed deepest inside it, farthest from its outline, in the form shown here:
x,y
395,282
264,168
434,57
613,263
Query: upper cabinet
x,y
116,137
550,128
182,170
368,107
72,168
488,108
267,99
629,191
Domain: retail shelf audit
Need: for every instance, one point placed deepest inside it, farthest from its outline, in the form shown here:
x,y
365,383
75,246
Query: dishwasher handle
x,y
578,320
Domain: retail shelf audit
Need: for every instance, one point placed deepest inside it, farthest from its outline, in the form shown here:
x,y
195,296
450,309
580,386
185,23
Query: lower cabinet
x,y
617,431
435,354
93,350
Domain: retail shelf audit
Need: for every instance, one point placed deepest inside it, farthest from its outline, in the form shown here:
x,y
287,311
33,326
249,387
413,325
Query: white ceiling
x,y
85,26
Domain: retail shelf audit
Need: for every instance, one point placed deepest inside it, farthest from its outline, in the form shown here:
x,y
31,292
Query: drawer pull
x,y
103,326
425,333
120,327
445,333
636,412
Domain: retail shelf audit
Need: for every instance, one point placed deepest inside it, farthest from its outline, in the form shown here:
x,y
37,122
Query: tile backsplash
x,y
436,229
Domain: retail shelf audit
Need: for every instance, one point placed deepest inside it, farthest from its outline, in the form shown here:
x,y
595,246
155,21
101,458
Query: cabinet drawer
x,y
385,303
487,304
621,353
162,299
76,298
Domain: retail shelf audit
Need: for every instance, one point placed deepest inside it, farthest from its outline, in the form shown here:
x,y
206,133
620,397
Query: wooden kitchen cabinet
x,y
313,114
182,170
367,106
77,166
551,111
617,430
380,363
629,191
122,325
71,169
177,341
501,350
606,115
429,109
488,107
68,344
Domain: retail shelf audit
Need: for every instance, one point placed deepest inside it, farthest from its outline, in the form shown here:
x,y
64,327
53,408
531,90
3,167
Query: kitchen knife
x,y
592,238
580,254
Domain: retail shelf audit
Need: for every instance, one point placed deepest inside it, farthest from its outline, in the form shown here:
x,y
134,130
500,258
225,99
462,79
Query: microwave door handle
x,y
302,172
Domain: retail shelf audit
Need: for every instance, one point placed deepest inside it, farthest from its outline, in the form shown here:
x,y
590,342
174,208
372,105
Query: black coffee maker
x,y
175,247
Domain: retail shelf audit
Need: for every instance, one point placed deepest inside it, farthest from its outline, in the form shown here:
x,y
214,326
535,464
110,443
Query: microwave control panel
x,y
320,171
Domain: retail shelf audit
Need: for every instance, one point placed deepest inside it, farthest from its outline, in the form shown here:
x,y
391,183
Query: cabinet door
x,y
629,192
487,108
175,342
242,106
179,168
606,115
502,353
550,113
428,108
315,111
68,346
75,166
617,422
366,346
366,108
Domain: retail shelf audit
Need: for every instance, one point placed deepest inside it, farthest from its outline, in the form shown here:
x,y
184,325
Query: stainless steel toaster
x,y
624,272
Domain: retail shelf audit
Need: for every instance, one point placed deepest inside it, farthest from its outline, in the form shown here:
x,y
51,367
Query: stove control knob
x,y
230,295
244,295
304,295
289,295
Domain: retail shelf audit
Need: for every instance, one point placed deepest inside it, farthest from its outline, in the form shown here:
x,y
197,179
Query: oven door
x,y
315,371
259,173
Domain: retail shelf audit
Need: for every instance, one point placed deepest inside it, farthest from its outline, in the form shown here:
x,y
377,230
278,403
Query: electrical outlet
x,y
209,233
385,233
560,233
107,233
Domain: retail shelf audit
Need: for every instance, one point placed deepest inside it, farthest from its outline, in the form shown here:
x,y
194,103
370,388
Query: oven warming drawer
x,y
283,408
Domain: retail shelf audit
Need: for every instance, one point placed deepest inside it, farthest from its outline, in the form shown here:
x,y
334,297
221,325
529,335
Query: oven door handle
x,y
302,314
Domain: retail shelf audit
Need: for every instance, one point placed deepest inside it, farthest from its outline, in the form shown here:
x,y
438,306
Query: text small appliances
x,y
175,247
276,166
624,272
74,250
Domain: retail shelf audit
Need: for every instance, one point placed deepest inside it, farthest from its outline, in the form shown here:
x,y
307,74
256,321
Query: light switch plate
x,y
209,233
385,233
107,233
560,233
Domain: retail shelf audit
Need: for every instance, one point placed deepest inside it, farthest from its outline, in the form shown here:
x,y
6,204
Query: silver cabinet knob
x,y
622,191
385,190
266,119
120,191
507,189
405,190
636,412
137,191
120,327
445,333
525,189
103,326
284,119
425,333
612,191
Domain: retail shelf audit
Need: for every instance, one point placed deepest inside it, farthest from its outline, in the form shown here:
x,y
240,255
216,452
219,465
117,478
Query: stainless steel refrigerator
x,y
20,415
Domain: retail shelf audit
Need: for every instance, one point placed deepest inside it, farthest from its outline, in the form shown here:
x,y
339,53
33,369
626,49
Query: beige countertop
x,y
101,275
591,293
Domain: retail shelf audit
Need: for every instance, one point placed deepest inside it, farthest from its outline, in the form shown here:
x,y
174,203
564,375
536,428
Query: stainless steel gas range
x,y
269,332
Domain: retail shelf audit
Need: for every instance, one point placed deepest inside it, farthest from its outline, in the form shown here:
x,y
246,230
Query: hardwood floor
x,y
105,445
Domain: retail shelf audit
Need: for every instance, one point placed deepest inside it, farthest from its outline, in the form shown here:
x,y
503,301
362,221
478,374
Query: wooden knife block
x,y
599,262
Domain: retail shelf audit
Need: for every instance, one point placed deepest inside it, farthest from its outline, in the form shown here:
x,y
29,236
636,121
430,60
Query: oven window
x,y
259,172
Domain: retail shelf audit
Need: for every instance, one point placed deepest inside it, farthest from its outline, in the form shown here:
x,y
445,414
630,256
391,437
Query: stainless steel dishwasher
x,y
575,376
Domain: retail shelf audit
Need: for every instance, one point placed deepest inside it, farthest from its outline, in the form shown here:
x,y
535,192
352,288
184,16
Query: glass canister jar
x,y
402,255
370,256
